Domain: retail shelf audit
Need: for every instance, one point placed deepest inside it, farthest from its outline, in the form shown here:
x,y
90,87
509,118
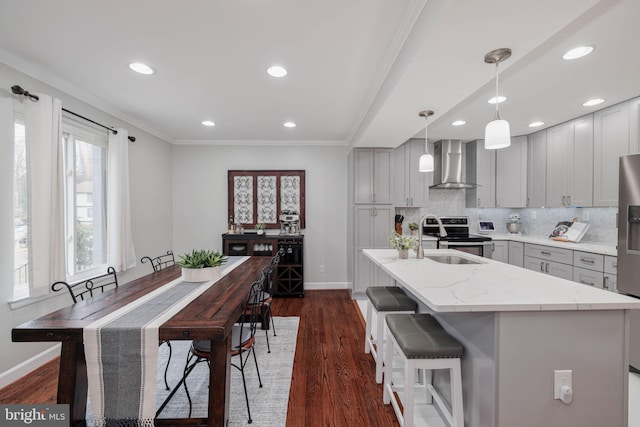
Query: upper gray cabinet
x,y
634,126
511,174
411,187
610,141
537,169
372,175
481,170
570,163
500,175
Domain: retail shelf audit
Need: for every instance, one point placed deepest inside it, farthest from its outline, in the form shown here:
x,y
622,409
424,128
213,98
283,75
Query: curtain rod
x,y
17,90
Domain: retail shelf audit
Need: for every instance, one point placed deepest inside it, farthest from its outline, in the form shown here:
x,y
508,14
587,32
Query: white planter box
x,y
200,274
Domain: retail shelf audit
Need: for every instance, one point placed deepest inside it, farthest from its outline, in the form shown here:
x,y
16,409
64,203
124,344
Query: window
x,y
21,249
85,154
85,162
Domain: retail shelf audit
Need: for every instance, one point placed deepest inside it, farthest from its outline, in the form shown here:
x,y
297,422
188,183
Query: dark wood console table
x,y
288,279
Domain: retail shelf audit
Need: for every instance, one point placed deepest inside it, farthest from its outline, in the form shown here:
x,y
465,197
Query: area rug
x,y
268,404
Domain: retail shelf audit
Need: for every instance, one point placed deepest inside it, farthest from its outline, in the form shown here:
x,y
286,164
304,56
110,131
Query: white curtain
x,y
120,252
45,206
6,193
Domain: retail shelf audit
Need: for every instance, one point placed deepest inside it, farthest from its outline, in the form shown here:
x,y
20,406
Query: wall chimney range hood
x,y
447,172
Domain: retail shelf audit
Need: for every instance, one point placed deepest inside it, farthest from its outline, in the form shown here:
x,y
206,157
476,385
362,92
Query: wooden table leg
x,y
219,382
72,380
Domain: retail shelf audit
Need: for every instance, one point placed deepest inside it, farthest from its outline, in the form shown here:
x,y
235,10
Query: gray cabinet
x,y
634,126
610,141
549,260
570,163
500,251
511,174
411,187
372,175
481,170
516,254
536,169
372,227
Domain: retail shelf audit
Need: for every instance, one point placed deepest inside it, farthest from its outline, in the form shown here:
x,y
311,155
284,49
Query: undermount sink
x,y
451,259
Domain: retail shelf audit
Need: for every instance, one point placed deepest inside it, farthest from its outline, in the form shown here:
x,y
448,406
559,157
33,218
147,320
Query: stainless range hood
x,y
447,171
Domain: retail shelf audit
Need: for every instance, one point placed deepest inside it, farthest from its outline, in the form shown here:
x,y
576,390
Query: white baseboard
x,y
19,371
324,286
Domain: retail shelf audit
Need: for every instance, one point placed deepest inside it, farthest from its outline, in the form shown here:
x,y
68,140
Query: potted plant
x,y
402,244
201,265
413,226
260,228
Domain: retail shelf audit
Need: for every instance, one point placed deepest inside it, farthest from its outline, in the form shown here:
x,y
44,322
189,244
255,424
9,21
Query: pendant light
x,y
426,160
497,133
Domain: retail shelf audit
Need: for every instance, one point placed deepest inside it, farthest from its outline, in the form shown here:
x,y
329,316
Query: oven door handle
x,y
449,244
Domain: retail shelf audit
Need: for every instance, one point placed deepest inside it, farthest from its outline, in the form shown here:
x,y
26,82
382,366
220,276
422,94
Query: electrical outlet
x,y
321,268
561,378
586,217
533,214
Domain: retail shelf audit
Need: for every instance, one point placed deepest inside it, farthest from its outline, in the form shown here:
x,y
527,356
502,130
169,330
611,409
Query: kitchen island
x,y
519,326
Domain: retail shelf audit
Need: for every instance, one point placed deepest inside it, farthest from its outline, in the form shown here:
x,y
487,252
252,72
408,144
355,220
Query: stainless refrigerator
x,y
628,280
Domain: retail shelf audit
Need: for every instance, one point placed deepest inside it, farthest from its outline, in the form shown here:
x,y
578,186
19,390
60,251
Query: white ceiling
x,y
359,70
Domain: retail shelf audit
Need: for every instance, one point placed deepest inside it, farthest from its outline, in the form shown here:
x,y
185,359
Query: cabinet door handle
x,y
497,202
373,197
528,201
542,266
546,267
407,201
568,200
375,211
564,200
586,283
605,283
615,264
587,260
412,201
545,253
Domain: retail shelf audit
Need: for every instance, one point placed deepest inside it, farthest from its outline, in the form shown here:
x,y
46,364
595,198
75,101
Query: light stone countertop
x,y
491,285
597,248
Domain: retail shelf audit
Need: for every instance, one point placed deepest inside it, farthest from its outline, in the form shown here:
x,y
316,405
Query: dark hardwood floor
x,y
333,380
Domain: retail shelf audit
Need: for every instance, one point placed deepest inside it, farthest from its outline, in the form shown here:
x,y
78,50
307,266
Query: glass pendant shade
x,y
497,135
426,163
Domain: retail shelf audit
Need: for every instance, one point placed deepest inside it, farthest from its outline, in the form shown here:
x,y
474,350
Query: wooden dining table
x,y
208,317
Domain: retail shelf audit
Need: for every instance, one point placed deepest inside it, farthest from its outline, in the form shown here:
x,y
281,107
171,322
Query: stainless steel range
x,y
458,236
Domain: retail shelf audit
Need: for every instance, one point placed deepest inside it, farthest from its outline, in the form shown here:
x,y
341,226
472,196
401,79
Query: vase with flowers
x,y
402,244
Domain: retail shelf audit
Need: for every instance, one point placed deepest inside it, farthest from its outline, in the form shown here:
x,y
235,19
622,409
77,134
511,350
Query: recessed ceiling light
x,y
499,99
277,71
208,123
141,68
458,123
592,102
289,125
535,124
577,52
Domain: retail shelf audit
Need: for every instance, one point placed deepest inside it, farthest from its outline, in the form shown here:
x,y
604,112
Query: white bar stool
x,y
422,344
383,300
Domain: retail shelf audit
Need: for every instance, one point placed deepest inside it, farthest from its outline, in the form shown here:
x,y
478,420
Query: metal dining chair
x,y
159,263
242,345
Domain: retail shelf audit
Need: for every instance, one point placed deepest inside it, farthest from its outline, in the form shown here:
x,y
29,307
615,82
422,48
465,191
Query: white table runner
x,y
121,351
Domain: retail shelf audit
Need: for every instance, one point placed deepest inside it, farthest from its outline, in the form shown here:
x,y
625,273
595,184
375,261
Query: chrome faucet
x,y
443,233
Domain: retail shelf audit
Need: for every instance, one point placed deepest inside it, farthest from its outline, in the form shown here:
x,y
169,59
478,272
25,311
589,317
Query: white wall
x,y
200,200
151,206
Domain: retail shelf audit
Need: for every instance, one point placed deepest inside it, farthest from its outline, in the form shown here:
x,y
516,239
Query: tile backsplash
x,y
603,228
